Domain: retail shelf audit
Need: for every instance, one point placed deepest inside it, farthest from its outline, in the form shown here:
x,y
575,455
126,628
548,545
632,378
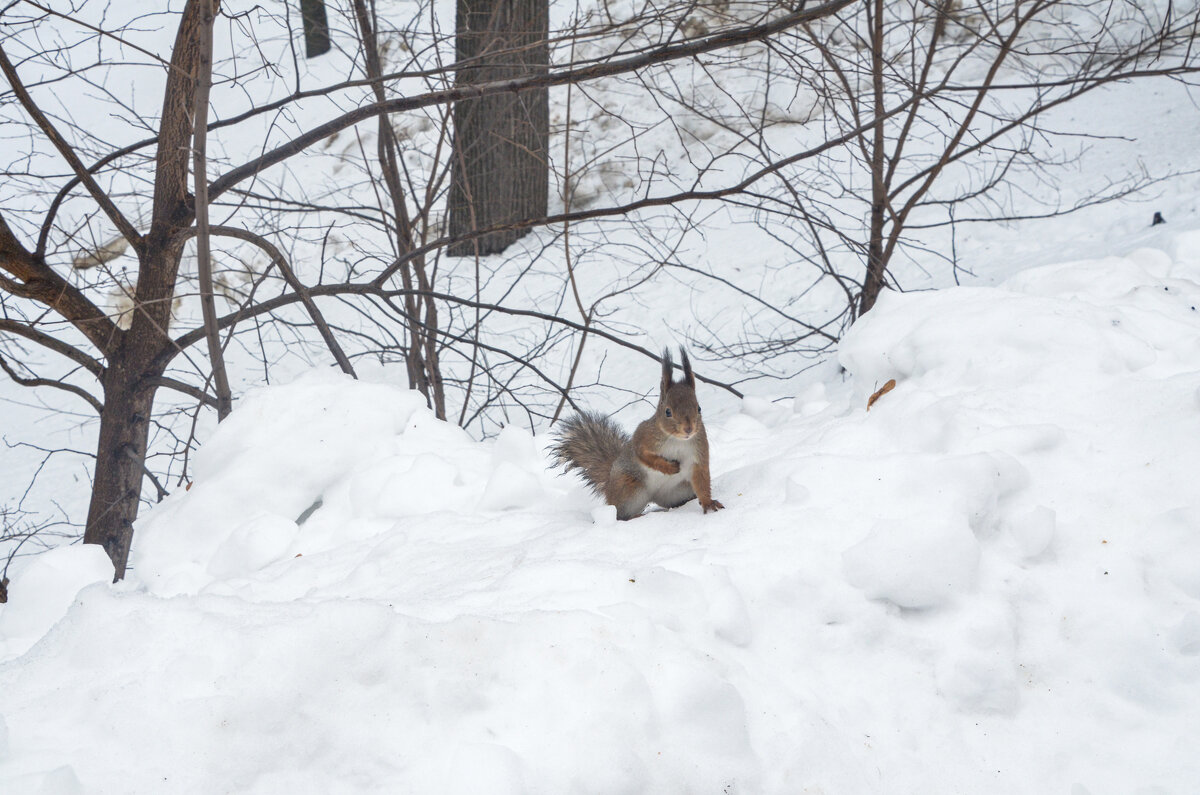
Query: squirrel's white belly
x,y
672,489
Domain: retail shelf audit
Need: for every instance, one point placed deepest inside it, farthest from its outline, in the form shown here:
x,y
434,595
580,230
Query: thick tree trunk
x,y
500,170
316,28
120,460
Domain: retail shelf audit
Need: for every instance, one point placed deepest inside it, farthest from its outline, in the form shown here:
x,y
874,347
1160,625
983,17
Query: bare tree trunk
x,y
500,170
876,265
316,28
120,459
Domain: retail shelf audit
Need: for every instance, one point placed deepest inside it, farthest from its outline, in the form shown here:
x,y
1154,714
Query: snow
x,y
989,582
51,581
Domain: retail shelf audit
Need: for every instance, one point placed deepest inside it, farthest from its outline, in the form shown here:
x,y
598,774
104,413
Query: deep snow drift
x,y
990,582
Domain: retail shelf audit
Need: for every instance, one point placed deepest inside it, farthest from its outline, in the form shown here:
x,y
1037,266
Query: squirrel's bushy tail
x,y
589,442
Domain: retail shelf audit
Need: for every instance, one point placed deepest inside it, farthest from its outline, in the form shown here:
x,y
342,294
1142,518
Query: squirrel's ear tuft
x,y
688,377
667,380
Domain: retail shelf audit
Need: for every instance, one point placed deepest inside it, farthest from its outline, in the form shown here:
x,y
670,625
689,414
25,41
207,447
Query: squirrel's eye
x,y
668,412
699,410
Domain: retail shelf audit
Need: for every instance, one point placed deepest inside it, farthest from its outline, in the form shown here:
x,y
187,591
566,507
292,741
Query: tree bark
x,y
876,264
120,462
499,171
203,84
316,28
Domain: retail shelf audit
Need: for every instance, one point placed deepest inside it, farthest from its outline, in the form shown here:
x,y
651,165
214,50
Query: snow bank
x,y
990,582
46,588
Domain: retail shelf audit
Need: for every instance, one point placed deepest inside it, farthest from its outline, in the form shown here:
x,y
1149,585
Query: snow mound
x,y
989,582
347,460
46,586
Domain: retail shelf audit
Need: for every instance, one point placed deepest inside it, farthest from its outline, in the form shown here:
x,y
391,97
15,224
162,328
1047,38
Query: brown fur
x,y
632,472
589,442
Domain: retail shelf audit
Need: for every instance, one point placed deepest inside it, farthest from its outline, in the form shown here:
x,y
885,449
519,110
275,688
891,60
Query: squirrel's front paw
x,y
672,467
711,505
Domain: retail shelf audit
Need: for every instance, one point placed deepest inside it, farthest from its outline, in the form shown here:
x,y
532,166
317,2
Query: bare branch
x,y
358,288
52,383
657,55
52,343
198,394
41,283
203,81
305,295
44,124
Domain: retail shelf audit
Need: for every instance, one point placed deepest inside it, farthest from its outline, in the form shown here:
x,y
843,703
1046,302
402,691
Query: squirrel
x,y
665,462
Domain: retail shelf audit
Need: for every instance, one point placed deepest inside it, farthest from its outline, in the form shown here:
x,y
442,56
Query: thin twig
x,y
208,305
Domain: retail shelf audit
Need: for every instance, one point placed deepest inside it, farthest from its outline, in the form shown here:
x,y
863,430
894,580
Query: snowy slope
x,y
990,582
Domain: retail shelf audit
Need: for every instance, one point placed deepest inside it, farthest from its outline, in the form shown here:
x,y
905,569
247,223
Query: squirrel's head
x,y
678,412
